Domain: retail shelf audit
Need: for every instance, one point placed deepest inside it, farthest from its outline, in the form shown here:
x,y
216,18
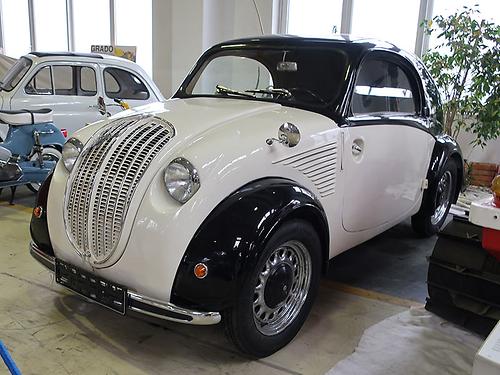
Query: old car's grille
x,y
318,164
104,179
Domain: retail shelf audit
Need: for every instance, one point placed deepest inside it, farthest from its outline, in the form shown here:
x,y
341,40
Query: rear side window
x,y
120,84
41,83
383,87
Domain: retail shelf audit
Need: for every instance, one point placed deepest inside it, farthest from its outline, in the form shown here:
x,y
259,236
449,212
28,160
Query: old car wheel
x,y
429,220
277,295
49,154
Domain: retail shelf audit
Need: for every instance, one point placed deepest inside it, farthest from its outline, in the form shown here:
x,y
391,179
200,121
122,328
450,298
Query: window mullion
x,y
31,15
112,23
346,21
70,28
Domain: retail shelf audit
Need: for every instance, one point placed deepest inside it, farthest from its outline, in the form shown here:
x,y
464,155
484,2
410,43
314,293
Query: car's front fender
x,y
231,238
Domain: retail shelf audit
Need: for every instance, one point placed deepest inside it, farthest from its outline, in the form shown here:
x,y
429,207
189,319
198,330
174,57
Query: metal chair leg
x,y
12,194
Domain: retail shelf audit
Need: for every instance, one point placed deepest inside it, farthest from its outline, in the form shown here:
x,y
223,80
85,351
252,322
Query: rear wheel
x,y
428,221
277,295
48,154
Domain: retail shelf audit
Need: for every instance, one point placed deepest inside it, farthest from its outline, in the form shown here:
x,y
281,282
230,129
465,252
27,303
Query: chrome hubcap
x,y
443,197
281,288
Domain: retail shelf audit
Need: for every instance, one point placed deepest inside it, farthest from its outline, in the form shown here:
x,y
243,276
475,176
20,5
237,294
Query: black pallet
x,y
463,279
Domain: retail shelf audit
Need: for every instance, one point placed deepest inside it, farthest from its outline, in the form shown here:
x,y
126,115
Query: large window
x,y
394,21
50,25
133,20
16,27
318,18
91,23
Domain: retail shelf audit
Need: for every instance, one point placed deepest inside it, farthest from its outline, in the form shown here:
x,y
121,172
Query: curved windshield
x,y
15,74
307,76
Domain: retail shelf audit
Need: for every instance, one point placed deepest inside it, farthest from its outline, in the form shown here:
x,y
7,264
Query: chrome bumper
x,y
141,304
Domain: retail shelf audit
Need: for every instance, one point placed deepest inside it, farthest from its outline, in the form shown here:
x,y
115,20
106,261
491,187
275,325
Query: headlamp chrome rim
x,y
69,163
181,194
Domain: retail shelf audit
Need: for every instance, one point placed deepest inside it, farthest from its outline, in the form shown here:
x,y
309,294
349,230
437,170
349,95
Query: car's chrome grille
x,y
104,179
318,164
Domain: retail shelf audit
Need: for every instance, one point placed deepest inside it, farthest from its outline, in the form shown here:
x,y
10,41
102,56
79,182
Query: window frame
x,y
407,67
33,75
72,65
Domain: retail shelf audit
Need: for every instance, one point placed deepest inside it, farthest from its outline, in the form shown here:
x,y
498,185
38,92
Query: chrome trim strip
x,y
42,258
166,309
198,318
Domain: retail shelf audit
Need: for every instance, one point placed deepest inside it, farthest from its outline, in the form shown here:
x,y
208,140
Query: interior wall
x,y
182,30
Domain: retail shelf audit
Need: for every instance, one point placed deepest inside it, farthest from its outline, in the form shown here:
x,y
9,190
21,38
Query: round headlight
x,y
71,149
181,179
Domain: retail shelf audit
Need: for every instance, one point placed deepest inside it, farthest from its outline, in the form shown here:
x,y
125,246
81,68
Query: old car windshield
x,y
15,74
303,76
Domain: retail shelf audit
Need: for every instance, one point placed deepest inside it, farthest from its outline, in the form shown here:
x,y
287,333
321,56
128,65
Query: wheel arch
x,y
445,148
232,237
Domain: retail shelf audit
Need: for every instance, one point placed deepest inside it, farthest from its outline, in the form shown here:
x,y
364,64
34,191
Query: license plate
x,y
102,291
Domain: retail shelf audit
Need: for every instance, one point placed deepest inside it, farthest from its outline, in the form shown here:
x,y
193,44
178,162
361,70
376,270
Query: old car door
x,y
70,90
125,85
387,147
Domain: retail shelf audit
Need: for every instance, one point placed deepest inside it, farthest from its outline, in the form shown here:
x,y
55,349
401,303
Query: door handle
x,y
356,149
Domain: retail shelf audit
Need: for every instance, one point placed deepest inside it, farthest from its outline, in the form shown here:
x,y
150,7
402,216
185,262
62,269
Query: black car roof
x,y
345,40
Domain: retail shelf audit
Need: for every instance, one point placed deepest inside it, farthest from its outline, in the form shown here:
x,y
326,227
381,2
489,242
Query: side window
x,y
119,83
381,87
64,83
88,84
41,83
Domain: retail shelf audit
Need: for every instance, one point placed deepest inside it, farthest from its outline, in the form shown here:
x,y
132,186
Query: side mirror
x,y
288,135
101,106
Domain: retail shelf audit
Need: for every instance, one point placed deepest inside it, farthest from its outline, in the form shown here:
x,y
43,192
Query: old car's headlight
x,y
71,149
181,179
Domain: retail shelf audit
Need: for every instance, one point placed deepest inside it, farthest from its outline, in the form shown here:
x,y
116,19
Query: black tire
x,y
240,320
424,222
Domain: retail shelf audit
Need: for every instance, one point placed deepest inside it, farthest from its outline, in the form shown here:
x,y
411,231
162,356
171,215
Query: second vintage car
x,y
72,85
227,201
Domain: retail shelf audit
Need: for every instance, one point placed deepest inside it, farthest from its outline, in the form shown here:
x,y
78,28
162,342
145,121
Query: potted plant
x,y
466,66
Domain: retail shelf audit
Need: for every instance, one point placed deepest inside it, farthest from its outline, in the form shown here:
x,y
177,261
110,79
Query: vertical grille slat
x,y
103,182
319,165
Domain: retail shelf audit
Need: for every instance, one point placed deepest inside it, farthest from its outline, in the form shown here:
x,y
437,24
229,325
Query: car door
x,y
387,146
69,89
126,85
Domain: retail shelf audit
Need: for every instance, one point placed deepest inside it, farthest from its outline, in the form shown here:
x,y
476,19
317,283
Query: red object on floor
x,y
491,242
64,133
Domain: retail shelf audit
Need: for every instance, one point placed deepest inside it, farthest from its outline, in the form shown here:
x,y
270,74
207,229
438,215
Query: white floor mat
x,y
410,343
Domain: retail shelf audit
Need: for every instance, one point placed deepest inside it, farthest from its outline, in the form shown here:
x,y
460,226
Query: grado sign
x,y
102,49
127,52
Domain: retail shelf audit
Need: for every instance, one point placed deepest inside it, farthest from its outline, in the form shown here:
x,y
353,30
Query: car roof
x,y
77,56
344,41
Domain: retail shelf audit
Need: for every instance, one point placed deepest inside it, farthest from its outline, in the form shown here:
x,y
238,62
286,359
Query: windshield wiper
x,y
282,92
226,90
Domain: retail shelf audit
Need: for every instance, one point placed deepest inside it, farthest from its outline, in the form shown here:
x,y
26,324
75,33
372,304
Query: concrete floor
x,y
50,331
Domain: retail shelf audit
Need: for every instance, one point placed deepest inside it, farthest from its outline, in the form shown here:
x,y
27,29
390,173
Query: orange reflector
x,y
200,270
37,211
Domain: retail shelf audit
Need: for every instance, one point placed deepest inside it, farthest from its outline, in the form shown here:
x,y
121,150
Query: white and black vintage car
x,y
227,201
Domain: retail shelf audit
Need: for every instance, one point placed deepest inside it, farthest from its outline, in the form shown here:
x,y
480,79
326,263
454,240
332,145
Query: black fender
x,y
445,148
38,225
232,237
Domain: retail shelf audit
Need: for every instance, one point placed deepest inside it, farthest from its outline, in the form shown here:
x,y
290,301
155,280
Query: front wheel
x,y
48,154
278,293
428,221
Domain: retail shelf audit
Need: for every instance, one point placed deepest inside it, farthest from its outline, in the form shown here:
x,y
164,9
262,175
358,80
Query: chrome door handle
x,y
356,150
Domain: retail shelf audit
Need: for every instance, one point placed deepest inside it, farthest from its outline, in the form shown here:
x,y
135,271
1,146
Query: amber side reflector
x,y
200,270
37,211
